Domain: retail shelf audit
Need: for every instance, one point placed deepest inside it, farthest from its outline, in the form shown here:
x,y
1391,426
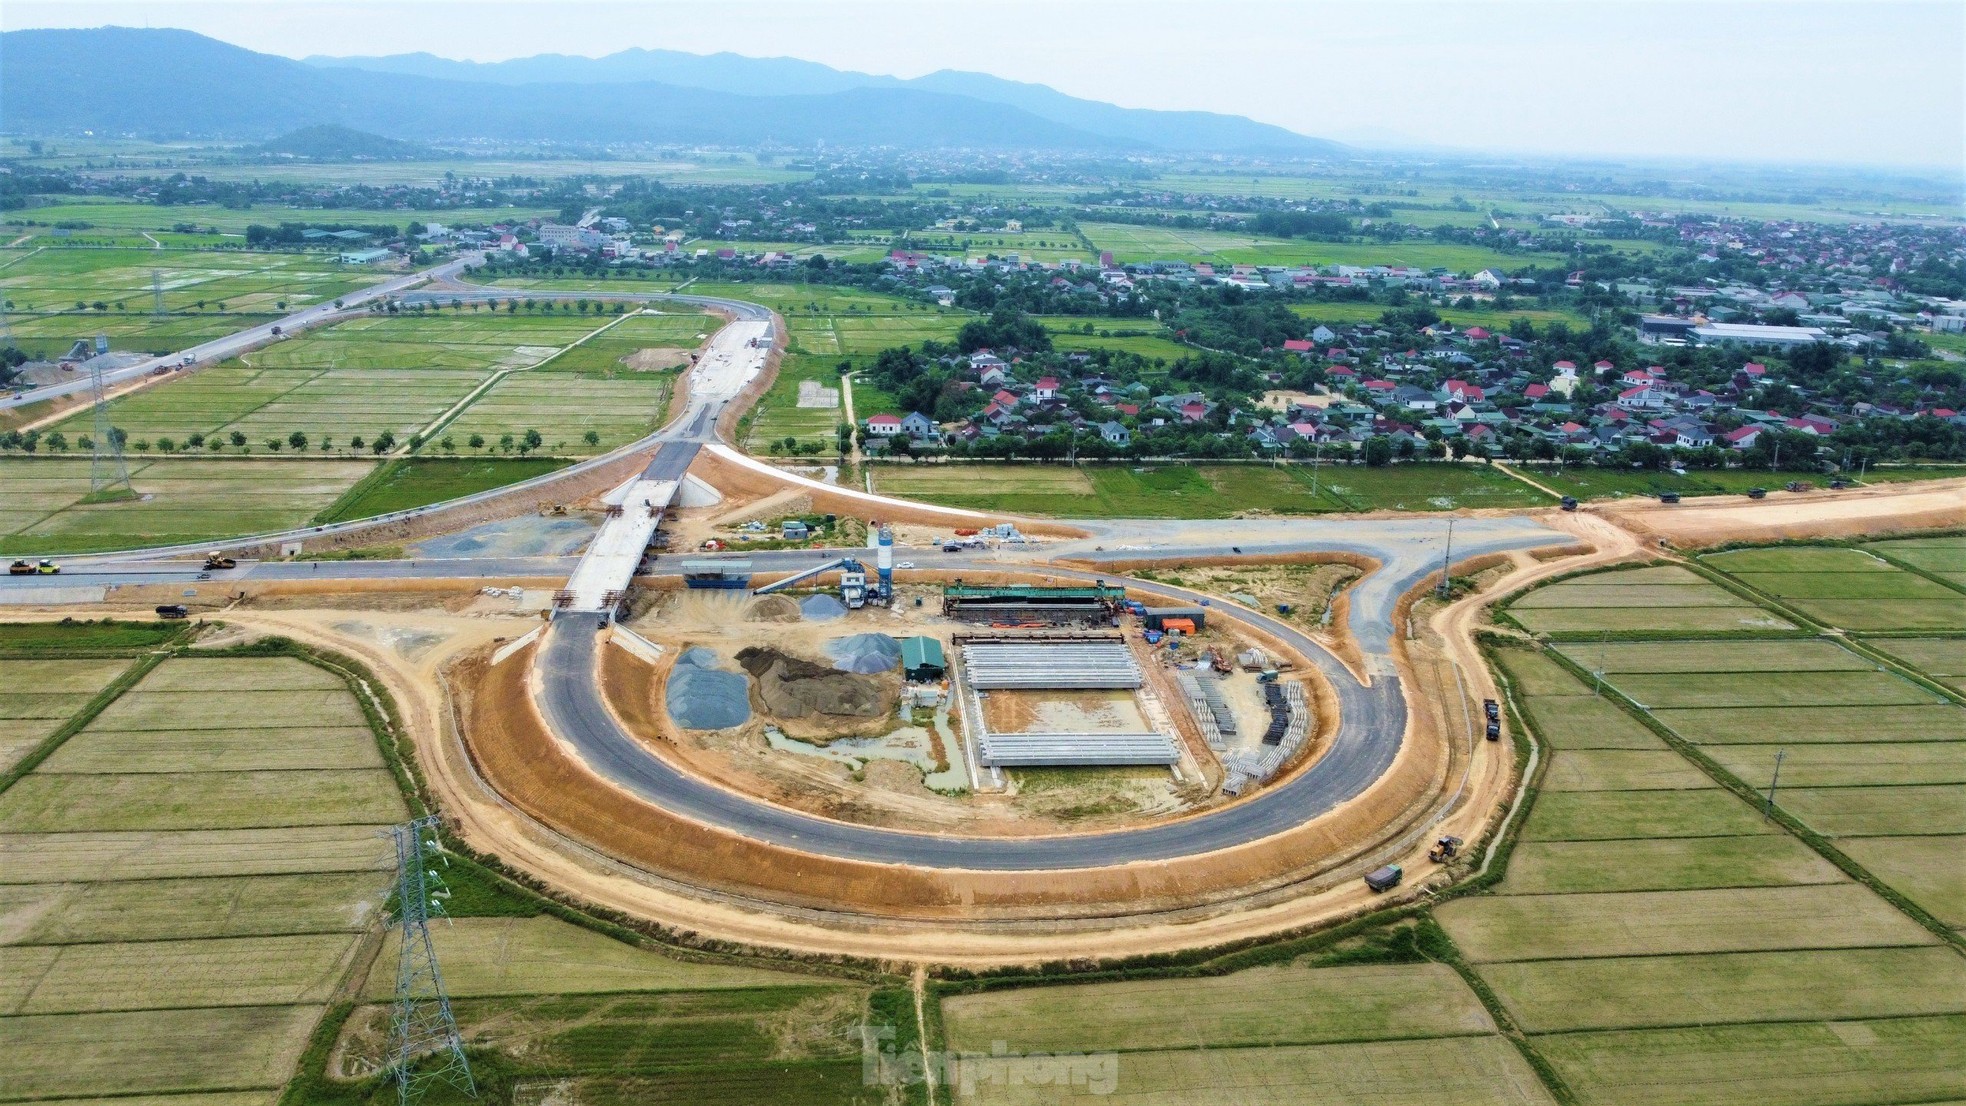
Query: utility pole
x,y
157,292
422,1023
1447,562
1317,454
1768,808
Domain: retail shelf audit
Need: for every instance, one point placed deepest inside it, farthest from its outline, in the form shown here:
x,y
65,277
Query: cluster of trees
x,y
295,234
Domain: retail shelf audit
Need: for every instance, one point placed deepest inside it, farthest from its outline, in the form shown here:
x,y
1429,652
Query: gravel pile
x,y
821,608
702,696
864,653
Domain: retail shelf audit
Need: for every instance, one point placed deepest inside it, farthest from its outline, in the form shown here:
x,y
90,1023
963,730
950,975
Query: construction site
x,y
1005,708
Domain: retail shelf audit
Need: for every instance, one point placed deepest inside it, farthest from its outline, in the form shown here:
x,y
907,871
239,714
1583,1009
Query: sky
x,y
1866,82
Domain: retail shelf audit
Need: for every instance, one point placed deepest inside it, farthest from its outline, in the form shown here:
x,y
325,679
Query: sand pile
x,y
702,696
773,608
793,688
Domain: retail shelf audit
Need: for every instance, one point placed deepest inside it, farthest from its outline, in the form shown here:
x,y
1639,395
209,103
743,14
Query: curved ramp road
x,y
1372,717
1371,726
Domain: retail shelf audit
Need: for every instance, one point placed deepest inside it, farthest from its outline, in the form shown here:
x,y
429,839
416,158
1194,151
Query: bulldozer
x,y
1444,850
216,560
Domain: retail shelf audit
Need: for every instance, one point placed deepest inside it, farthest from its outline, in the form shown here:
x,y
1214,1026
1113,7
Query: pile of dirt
x,y
793,688
864,653
773,608
821,608
702,696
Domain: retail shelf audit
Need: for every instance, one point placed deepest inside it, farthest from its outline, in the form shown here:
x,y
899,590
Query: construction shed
x,y
1020,605
921,660
1156,617
721,575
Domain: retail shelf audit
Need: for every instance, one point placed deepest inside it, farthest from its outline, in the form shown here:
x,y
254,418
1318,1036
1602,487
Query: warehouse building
x,y
922,660
1023,605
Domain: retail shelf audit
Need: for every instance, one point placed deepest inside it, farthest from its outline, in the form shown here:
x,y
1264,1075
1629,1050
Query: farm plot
x,y
227,906
42,694
1925,868
332,407
58,802
709,1048
1680,924
1714,656
1650,923
1261,1006
1810,725
1670,690
1549,996
153,1051
542,955
1942,658
1664,864
1912,1059
49,336
190,279
1879,811
797,405
1848,588
1662,599
1589,482
183,501
1944,557
564,407
1621,770
1440,1072
154,855
146,975
152,931
1844,765
1612,815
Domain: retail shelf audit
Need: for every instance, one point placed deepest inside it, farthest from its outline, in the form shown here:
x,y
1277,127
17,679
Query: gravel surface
x,y
702,696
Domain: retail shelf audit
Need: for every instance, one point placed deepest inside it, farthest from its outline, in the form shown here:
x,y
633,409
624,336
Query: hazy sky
x,y
1880,83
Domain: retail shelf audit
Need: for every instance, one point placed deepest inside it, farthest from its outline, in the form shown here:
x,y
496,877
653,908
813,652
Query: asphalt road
x,y
239,342
1372,717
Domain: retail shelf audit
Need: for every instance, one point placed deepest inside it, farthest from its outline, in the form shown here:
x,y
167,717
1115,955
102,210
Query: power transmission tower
x,y
156,291
1447,563
107,468
422,1024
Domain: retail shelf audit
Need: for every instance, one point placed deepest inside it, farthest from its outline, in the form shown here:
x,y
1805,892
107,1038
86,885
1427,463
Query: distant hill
x,y
172,83
1197,131
328,142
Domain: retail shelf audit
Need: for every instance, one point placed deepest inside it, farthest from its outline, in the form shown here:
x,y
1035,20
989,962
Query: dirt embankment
x,y
743,481
1877,510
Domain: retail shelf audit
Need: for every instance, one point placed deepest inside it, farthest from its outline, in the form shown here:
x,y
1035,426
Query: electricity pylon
x,y
422,1025
107,468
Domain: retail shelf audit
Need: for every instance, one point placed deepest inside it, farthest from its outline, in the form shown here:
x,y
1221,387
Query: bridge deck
x,y
616,551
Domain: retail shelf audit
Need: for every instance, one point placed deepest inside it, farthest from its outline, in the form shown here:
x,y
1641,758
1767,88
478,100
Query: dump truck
x,y
174,610
1569,502
1668,497
1385,879
1757,493
216,560
1838,484
1492,709
1797,486
1494,729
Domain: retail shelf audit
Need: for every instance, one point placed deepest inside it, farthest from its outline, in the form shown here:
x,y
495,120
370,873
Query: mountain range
x,y
168,83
